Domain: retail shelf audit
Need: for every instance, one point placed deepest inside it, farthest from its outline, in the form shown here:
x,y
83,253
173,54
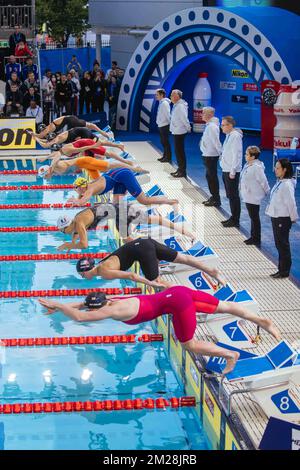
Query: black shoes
x,y
178,174
279,275
164,160
250,241
212,203
230,223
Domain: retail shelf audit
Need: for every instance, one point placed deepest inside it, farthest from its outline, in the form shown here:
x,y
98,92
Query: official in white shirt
x,y
211,149
35,111
163,119
283,212
231,164
179,127
254,187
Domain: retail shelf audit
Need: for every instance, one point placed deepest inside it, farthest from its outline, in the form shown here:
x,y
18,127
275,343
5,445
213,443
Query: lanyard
x,y
36,112
274,189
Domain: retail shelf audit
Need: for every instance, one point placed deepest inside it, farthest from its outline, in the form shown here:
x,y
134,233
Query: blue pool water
x,y
55,373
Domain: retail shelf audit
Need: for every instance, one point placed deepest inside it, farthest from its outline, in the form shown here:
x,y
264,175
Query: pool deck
x,y
245,267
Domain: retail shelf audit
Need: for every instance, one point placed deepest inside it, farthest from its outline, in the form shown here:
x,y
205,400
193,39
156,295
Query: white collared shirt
x,y
282,200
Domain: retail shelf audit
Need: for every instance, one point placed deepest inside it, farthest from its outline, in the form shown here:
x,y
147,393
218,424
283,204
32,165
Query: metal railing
x,y
16,15
56,45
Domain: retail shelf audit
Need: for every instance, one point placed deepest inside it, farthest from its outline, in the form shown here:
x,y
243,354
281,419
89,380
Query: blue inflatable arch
x,y
187,35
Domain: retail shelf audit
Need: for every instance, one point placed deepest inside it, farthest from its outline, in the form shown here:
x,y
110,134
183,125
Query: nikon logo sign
x,y
239,73
13,134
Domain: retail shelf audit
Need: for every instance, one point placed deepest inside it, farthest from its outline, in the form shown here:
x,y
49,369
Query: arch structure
x,y
183,38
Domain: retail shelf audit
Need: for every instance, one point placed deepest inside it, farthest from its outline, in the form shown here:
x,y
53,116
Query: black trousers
x,y
179,152
253,211
281,231
232,192
164,139
211,165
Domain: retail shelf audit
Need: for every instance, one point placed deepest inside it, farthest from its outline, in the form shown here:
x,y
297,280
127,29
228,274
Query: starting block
x,y
198,250
154,191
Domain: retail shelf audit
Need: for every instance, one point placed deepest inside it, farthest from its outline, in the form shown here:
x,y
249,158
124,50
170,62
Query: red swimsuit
x,y
179,301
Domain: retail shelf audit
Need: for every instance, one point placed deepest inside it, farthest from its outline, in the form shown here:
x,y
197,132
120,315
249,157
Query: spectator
x,y
179,127
78,88
14,101
12,66
58,76
99,92
120,76
114,66
46,78
15,38
231,164
63,94
14,80
163,122
74,65
211,149
30,82
96,68
74,93
22,50
85,92
31,95
49,99
30,67
35,111
113,91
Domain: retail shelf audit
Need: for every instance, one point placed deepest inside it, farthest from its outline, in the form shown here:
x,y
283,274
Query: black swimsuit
x,y
79,132
147,252
99,214
70,122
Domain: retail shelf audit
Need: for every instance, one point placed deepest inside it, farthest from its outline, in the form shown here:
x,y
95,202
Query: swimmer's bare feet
x,y
231,361
269,326
139,169
216,274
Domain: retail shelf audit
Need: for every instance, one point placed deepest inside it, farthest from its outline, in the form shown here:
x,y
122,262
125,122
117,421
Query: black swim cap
x,y
85,264
95,300
56,147
41,127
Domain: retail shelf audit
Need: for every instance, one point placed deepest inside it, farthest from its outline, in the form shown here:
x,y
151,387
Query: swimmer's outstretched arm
x,y
91,191
74,312
107,143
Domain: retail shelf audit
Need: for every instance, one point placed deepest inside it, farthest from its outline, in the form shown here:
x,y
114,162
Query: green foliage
x,y
63,17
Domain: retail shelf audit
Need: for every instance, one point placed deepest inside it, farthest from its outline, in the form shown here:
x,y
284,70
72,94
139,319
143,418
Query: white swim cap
x,y
43,170
63,221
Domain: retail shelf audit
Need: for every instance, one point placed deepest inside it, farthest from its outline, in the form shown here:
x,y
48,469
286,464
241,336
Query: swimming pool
x,y
80,372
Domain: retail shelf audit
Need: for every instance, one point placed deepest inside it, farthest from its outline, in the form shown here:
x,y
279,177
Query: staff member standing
x,y
283,212
254,187
163,119
211,149
179,127
231,164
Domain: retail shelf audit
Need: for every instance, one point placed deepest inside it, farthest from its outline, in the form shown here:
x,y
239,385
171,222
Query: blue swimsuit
x,y
120,181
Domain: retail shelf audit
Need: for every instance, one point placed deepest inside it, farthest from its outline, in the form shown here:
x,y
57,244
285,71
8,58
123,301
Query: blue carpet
x,y
196,171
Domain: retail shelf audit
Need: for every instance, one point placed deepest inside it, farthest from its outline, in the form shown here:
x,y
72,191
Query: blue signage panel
x,y
280,435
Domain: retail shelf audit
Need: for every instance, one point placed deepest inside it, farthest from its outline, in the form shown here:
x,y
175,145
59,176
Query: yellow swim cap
x,y
80,181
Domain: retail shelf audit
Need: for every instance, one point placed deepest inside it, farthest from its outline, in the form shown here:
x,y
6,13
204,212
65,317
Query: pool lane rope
x,y
68,292
37,187
92,406
42,206
52,257
73,340
42,228
18,172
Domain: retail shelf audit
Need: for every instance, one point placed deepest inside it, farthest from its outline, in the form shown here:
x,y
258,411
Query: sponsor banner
x,y
236,73
228,85
239,99
13,135
250,87
257,99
